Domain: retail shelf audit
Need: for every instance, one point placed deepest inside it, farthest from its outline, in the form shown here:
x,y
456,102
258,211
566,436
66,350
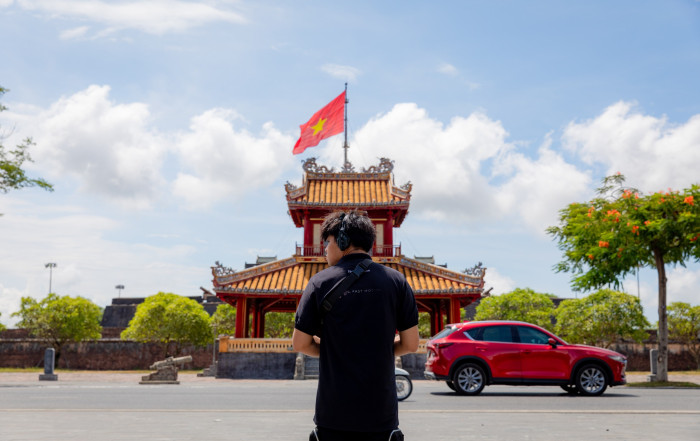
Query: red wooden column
x,y
454,313
259,317
389,231
254,310
435,318
308,232
241,317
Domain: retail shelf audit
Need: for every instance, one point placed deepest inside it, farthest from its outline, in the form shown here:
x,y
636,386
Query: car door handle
x,y
525,352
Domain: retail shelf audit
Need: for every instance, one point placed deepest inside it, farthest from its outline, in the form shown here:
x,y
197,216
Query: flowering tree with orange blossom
x,y
612,236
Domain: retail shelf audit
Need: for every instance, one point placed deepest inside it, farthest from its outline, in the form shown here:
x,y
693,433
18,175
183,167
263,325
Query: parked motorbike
x,y
404,386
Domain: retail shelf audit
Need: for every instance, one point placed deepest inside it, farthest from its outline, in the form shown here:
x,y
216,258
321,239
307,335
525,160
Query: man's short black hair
x,y
358,226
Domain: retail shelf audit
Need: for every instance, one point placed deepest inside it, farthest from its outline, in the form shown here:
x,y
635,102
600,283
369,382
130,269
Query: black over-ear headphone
x,y
343,240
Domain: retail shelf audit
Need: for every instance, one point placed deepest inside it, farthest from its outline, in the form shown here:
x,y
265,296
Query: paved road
x,y
209,409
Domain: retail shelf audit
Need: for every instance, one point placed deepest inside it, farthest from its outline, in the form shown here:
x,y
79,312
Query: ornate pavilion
x,y
276,286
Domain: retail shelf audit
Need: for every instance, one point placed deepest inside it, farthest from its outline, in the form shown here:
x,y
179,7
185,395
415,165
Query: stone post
x,y
49,359
299,373
653,364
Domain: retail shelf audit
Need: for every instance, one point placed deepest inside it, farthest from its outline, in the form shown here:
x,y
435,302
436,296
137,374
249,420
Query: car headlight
x,y
619,358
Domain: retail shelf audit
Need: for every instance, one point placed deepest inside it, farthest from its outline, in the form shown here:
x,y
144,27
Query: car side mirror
x,y
552,342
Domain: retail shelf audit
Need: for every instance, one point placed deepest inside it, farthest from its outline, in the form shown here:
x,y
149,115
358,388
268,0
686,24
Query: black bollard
x,y
49,358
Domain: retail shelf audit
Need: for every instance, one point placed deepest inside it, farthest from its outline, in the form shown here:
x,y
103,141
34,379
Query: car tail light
x,y
443,345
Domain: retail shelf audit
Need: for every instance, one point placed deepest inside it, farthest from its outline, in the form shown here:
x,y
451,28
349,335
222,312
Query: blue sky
x,y
167,129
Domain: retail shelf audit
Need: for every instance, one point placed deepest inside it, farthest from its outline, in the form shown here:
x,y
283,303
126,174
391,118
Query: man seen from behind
x,y
357,340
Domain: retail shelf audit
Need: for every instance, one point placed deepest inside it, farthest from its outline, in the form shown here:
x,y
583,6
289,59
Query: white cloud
x,y
88,263
151,16
218,161
449,167
443,162
70,34
113,150
651,152
447,69
346,73
684,285
107,147
540,187
500,283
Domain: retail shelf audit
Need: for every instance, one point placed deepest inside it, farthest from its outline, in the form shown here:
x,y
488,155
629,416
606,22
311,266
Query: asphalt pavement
x,y
113,406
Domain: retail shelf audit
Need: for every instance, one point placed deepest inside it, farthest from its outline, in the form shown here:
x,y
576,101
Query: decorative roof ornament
x,y
290,187
385,165
348,167
310,166
221,270
407,186
476,271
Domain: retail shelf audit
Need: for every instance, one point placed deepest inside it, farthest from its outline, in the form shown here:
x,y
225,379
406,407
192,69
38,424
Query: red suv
x,y
470,355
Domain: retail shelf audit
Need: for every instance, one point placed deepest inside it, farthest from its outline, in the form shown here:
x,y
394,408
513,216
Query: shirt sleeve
x,y
308,318
407,314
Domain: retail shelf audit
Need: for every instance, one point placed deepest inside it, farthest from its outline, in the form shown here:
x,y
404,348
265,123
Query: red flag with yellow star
x,y
326,122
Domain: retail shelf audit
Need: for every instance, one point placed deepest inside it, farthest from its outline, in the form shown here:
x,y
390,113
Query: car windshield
x,y
444,333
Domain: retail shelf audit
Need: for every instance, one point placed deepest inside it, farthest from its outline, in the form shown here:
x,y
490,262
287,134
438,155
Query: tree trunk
x,y
662,356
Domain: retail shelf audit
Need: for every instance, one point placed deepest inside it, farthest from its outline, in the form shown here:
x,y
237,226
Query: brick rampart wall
x,y
17,350
278,366
108,354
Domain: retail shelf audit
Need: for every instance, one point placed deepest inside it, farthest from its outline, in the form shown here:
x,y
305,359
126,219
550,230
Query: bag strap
x,y
343,284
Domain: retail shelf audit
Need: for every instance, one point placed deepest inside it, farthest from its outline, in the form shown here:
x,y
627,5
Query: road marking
x,y
557,411
404,411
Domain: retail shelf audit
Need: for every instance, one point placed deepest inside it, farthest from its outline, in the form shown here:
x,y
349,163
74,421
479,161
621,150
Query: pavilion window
x,y
379,243
317,249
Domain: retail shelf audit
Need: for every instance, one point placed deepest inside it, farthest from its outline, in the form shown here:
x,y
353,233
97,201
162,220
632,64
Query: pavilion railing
x,y
378,250
271,345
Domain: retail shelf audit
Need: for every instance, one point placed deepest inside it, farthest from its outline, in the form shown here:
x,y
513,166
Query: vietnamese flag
x,y
326,122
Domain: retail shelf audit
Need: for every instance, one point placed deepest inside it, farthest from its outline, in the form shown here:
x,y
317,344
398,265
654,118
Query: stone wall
x,y
18,351
107,354
263,365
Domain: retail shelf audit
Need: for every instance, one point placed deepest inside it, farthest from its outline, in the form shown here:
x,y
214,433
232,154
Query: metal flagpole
x,y
345,144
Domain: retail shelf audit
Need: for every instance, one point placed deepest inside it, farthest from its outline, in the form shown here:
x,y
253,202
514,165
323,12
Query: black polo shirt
x,y
356,387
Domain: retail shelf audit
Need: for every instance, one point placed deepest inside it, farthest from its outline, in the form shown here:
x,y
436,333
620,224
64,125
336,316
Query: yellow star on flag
x,y
319,126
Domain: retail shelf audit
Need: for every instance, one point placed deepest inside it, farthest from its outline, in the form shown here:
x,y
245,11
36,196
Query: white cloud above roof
x,y
150,16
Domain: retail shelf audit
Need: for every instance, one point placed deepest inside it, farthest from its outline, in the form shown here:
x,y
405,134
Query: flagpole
x,y
345,144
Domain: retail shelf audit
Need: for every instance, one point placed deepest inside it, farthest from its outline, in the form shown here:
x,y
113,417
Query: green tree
x,y
279,324
610,237
169,318
2,327
520,304
12,176
684,325
424,325
58,320
601,319
223,321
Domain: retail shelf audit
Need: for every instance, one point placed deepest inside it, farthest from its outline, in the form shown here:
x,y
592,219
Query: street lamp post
x,y
119,287
50,266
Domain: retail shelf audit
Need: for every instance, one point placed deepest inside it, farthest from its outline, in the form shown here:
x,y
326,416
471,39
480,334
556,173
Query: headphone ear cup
x,y
342,241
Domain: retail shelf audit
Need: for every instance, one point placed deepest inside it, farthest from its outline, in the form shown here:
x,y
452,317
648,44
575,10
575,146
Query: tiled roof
x,y
290,276
353,189
346,190
374,185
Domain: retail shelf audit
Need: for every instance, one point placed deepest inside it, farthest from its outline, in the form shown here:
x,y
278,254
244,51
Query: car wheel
x,y
469,379
570,389
451,385
591,380
404,387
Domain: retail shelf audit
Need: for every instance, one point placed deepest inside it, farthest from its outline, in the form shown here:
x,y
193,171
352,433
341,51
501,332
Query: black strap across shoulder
x,y
343,284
